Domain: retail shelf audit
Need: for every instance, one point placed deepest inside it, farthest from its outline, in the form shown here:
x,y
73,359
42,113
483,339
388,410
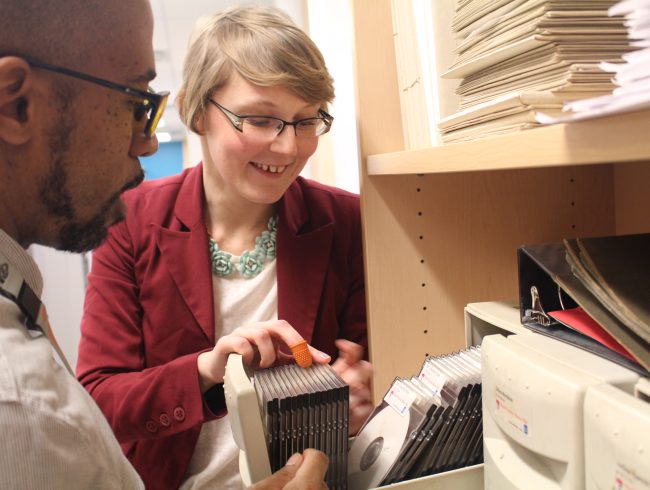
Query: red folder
x,y
578,319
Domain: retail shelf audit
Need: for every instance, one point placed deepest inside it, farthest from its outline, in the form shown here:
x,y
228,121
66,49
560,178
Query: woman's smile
x,y
270,169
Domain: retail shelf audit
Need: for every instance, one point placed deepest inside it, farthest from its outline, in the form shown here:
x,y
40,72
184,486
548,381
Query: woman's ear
x,y
15,100
199,121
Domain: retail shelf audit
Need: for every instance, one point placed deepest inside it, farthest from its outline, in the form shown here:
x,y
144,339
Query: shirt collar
x,y
22,262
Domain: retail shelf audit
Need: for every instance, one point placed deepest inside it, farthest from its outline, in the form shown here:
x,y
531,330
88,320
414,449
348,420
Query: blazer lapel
x,y
303,257
184,249
186,256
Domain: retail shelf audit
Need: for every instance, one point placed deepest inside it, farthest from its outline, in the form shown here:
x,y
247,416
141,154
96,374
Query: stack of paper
x,y
537,54
632,77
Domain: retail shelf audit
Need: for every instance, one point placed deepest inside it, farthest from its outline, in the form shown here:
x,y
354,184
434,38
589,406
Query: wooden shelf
x,y
442,228
618,138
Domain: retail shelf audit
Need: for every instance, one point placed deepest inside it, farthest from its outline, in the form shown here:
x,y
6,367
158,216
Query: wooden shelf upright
x,y
442,224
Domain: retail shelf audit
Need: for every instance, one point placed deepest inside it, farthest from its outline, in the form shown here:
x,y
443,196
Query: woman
x,y
192,274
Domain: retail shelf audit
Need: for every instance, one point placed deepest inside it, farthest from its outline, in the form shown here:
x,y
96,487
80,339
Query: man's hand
x,y
304,471
357,373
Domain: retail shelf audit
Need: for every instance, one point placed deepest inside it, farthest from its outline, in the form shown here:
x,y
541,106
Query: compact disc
x,y
377,447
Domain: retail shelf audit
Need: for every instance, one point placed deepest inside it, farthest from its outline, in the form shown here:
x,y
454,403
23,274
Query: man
x,y
75,116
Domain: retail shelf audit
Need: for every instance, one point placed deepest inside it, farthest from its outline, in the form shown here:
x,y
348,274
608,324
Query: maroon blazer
x,y
149,310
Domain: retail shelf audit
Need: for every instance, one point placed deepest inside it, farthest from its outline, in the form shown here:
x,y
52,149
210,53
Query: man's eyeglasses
x,y
268,127
152,105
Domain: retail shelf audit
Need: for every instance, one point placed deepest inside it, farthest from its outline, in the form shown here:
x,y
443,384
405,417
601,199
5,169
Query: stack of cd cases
x,y
426,424
305,408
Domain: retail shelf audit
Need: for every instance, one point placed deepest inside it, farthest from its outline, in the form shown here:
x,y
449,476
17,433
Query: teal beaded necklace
x,y
251,263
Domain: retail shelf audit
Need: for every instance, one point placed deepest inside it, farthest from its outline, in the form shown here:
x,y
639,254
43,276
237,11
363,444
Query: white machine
x,y
549,418
617,440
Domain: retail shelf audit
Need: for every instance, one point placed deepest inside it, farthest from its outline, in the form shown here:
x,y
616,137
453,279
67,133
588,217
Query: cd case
x,y
287,410
426,424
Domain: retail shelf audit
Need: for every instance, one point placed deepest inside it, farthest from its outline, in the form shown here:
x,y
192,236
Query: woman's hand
x,y
357,373
259,344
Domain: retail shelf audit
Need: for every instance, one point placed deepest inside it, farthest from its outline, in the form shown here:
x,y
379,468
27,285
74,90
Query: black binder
x,y
608,277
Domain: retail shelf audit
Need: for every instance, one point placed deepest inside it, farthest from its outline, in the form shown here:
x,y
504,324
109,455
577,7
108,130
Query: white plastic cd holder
x,y
246,421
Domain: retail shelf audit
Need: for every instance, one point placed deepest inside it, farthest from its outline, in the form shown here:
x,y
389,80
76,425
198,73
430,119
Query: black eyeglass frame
x,y
237,119
157,100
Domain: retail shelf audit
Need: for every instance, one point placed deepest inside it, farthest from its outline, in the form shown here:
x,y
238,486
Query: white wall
x,y
64,279
337,160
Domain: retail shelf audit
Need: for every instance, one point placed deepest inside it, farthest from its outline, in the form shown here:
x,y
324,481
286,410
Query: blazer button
x,y
164,420
179,414
151,426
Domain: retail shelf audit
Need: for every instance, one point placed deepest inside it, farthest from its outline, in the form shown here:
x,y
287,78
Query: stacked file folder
x,y
632,77
518,57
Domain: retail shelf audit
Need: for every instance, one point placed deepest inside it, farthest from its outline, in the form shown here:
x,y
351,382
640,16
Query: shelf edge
x,y
618,138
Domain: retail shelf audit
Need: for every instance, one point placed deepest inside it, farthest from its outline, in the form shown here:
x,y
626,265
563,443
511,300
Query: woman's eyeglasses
x,y
268,127
152,105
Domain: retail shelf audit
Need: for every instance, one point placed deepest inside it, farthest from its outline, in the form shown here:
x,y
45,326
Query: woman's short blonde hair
x,y
263,46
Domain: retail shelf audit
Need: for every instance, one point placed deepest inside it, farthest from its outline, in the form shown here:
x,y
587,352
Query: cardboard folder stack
x,y
516,57
632,77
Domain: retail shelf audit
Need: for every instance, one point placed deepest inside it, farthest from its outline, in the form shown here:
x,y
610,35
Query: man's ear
x,y
15,100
